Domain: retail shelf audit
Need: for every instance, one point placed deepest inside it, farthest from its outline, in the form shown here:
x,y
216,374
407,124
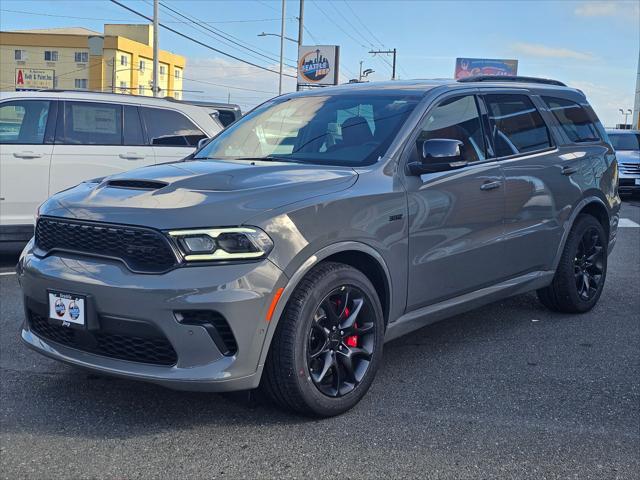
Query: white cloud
x,y
596,9
217,79
605,100
537,50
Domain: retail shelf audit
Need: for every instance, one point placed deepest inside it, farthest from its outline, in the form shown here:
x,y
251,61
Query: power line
x,y
338,25
357,17
198,41
226,36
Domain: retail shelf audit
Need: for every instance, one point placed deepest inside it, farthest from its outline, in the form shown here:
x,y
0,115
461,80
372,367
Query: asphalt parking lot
x,y
509,390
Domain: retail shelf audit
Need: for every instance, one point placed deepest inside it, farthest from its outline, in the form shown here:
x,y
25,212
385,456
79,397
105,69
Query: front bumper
x,y
241,293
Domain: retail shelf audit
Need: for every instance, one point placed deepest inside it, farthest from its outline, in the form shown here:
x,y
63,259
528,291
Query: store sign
x,y
471,67
318,65
34,79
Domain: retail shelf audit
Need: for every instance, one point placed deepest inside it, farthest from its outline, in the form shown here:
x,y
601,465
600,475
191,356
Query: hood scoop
x,y
136,184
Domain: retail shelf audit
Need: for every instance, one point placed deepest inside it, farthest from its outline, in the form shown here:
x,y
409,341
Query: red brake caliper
x,y
352,340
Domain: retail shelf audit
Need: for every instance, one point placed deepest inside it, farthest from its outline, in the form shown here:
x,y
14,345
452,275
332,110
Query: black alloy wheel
x,y
588,264
340,341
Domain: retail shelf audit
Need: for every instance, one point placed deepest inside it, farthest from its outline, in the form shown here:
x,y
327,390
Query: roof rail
x,y
504,78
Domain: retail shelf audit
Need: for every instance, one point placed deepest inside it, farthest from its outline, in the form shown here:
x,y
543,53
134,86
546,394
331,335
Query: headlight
x,y
207,244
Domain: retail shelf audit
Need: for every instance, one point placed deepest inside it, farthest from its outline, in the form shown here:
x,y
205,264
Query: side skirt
x,y
439,311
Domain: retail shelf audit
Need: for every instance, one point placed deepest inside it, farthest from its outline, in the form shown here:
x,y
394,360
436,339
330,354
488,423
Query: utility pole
x,y
388,52
281,47
156,67
360,74
300,31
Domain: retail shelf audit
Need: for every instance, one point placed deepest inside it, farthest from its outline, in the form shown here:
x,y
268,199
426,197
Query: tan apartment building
x,y
119,60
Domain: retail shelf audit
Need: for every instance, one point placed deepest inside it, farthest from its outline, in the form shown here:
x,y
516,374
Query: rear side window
x,y
23,122
167,127
574,119
516,125
89,123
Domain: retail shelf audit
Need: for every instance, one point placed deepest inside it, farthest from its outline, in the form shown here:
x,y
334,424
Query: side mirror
x,y
202,142
438,155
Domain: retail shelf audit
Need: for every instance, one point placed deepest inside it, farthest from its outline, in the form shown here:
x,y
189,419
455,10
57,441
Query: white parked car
x,y
52,140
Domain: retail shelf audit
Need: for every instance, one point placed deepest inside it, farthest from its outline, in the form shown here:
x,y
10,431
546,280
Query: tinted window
x,y
132,126
322,129
167,127
574,119
516,125
625,141
93,123
23,122
457,119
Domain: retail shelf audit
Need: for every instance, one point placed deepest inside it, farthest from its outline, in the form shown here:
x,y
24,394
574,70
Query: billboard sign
x,y
318,64
471,67
34,79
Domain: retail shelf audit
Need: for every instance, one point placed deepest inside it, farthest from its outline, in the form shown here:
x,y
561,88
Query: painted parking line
x,y
7,273
627,223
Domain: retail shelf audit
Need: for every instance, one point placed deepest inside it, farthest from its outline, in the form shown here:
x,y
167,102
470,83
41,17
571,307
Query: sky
x,y
591,45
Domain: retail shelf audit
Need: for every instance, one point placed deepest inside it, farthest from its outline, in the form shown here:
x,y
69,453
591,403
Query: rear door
x,y
172,135
539,192
96,139
26,145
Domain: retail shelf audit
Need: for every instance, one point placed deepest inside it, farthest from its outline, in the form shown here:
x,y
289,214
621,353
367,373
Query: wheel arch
x,y
591,205
356,254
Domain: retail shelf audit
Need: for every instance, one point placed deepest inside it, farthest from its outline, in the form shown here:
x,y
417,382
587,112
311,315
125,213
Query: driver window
x,y
457,118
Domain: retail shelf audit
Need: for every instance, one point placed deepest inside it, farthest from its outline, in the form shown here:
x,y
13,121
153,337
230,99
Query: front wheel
x,y
579,278
328,344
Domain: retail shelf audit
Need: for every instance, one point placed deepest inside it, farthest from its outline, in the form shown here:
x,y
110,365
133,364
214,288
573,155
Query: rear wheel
x,y
579,279
328,344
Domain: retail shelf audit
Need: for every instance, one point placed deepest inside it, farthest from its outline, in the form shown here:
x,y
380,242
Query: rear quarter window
x,y
576,120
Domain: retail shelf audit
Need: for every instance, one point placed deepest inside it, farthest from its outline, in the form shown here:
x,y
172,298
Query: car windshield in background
x,y
625,141
349,130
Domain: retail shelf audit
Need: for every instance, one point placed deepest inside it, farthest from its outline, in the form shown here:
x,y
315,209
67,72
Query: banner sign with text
x,y
471,67
34,79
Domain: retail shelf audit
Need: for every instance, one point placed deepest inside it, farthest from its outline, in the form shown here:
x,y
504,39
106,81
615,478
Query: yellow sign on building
x,y
119,60
34,79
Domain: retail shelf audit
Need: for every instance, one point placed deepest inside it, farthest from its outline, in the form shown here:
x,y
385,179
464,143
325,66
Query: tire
x,y
296,376
567,290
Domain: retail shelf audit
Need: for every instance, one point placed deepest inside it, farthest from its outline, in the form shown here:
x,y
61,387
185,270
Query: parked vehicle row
x,y
627,146
50,141
290,247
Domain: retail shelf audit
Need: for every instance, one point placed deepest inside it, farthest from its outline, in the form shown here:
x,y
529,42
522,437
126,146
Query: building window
x,y
140,89
123,87
177,73
142,65
81,57
177,95
124,60
163,70
20,54
51,55
81,83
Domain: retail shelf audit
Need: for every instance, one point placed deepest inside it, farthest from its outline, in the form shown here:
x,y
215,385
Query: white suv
x,y
50,141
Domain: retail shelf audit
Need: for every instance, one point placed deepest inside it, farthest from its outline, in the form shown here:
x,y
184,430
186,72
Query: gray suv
x,y
285,252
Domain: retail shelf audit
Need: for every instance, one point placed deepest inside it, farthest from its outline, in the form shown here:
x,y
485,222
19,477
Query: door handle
x,y
27,155
569,170
490,185
131,156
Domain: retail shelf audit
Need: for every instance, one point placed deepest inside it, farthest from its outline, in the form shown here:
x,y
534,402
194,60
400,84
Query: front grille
x,y
154,349
630,168
142,250
215,324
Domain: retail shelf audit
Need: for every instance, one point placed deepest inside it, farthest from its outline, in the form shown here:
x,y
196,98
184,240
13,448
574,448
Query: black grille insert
x,y
137,184
141,249
215,324
154,349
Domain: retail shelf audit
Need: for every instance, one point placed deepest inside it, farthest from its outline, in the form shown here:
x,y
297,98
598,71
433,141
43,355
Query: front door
x,y
455,217
96,140
26,144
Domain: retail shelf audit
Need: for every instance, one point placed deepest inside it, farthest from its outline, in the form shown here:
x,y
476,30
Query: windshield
x,y
625,141
349,130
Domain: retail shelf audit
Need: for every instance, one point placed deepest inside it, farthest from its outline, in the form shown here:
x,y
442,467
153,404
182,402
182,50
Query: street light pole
x,y
300,31
155,49
281,47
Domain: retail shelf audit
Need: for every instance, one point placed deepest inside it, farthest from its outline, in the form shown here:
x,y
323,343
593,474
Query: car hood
x,y
197,193
628,156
